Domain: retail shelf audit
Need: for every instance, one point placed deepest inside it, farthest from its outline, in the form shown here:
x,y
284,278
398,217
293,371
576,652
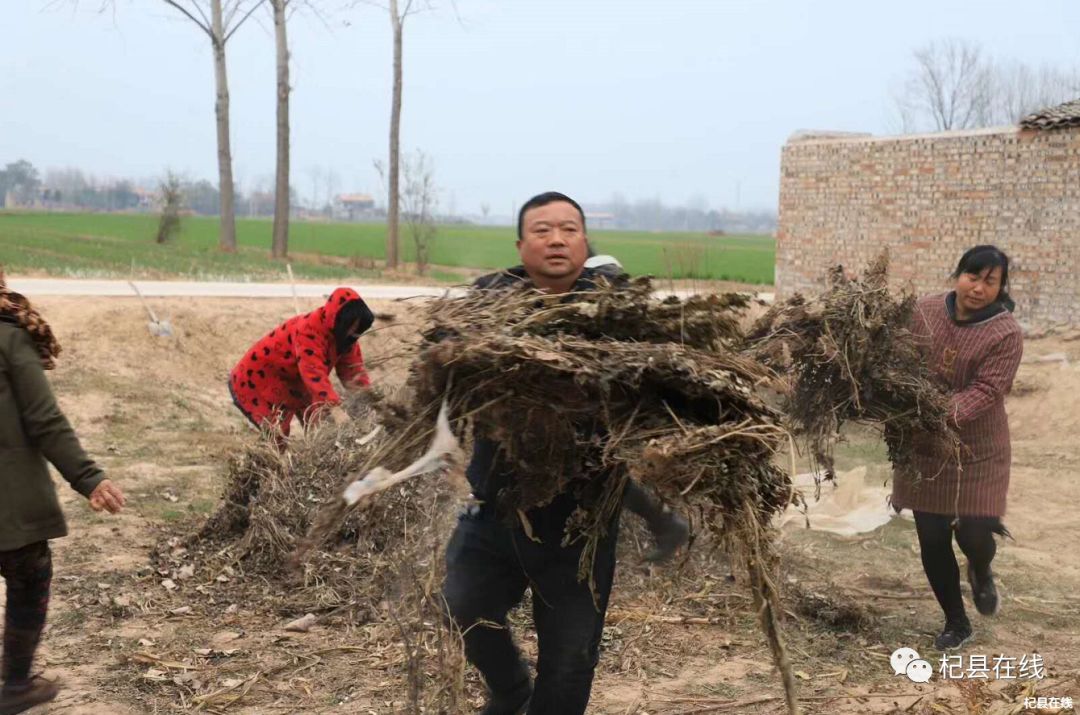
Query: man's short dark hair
x,y
548,197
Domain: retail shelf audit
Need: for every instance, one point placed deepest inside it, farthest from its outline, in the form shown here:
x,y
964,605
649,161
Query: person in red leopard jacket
x,y
286,374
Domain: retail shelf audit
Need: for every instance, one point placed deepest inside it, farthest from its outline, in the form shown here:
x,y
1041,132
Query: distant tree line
x,y
22,186
74,190
695,215
19,182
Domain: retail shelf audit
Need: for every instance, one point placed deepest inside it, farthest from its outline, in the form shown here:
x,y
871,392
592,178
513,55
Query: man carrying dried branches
x,y
493,557
974,346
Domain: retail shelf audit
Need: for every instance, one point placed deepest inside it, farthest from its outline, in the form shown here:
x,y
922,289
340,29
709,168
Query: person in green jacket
x,y
33,430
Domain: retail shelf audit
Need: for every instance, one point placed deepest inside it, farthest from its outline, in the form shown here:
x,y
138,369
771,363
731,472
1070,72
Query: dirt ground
x,y
680,639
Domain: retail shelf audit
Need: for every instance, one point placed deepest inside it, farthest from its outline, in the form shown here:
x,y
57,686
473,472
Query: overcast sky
x,y
650,99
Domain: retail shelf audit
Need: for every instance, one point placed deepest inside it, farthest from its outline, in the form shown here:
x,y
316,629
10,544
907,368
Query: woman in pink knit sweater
x,y
974,346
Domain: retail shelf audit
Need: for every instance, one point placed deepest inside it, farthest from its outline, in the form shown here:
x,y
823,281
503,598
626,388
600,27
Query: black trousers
x,y
489,565
28,573
974,535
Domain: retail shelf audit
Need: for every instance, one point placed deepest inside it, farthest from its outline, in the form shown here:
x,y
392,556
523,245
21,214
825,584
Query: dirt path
x,y
157,415
218,289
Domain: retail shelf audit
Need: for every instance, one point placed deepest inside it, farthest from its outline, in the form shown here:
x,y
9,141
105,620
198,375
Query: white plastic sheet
x,y
443,445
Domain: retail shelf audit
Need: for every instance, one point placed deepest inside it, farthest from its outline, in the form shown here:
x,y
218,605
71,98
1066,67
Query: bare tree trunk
x,y
280,245
393,203
227,232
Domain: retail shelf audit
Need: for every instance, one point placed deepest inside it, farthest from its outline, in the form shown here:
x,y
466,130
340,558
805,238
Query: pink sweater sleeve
x,y
993,380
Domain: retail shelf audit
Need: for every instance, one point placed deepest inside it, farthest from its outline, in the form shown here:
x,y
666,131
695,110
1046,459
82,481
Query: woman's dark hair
x,y
353,311
978,259
548,197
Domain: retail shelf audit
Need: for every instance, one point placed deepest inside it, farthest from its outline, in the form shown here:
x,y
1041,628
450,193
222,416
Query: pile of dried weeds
x,y
272,497
851,357
380,562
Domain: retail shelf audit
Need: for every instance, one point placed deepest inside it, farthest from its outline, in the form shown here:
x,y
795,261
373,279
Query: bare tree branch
x,y
412,7
419,201
371,3
238,25
205,17
1020,89
205,27
457,14
230,13
954,85
57,4
950,85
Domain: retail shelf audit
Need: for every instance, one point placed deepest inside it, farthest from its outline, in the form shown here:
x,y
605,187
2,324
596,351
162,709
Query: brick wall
x,y
929,198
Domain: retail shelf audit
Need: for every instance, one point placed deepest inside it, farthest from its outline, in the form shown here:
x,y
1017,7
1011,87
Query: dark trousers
x,y
28,575
974,535
489,565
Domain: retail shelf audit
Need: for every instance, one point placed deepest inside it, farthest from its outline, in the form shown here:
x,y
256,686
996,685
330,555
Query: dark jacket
x,y
517,275
33,430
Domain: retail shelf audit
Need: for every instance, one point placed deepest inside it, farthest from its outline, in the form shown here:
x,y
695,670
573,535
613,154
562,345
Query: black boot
x,y
516,702
983,591
669,529
15,698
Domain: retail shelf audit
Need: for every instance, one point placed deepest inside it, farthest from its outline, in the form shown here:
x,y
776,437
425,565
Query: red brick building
x,y
929,197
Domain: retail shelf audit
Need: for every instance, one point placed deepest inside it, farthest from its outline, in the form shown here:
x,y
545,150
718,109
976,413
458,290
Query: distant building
x,y
353,207
599,219
38,198
147,198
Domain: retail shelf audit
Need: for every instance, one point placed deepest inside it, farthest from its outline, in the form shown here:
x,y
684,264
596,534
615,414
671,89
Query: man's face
x,y
553,242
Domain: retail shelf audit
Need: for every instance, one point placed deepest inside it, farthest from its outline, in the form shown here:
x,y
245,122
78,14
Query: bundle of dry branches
x,y
626,312
613,383
582,392
852,358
